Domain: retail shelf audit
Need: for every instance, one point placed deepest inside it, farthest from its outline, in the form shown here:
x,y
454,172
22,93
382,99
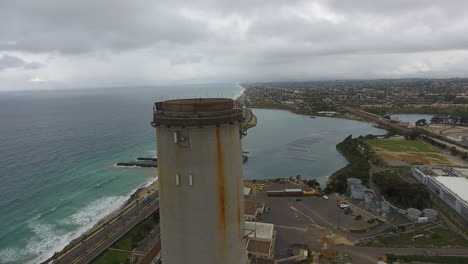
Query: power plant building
x,y
200,181
449,184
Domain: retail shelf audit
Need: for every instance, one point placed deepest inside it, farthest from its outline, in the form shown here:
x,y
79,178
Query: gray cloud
x,y
33,66
7,61
119,41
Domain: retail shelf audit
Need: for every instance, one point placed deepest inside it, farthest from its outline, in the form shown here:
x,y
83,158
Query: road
x,y
94,245
377,119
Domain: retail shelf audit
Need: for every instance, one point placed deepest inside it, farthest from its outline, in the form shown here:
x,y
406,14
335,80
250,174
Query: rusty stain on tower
x,y
200,165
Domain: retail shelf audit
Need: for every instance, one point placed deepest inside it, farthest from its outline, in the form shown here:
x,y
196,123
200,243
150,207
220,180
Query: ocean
x,y
58,151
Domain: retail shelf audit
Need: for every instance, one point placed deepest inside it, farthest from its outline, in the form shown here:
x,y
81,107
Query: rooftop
x,y
259,246
196,112
262,261
263,230
250,207
198,104
458,185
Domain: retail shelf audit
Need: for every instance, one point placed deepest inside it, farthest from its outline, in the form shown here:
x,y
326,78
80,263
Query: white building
x,y
449,184
261,239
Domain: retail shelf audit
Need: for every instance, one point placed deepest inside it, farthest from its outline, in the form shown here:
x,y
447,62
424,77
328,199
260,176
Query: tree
x,y
454,150
421,122
313,183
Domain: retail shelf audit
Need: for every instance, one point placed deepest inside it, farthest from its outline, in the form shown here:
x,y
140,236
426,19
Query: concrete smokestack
x,y
200,181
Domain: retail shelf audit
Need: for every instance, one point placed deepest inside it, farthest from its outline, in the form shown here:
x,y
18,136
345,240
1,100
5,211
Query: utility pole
x,y
339,214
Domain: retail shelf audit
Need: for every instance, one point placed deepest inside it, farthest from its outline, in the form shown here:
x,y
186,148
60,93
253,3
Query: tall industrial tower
x,y
200,181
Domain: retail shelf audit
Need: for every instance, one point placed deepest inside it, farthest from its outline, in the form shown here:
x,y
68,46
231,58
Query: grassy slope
x,y
128,242
402,146
412,150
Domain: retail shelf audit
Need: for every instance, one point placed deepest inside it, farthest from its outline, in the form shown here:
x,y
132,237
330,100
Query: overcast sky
x,y
92,43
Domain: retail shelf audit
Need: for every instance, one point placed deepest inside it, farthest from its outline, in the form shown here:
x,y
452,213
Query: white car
x,y
325,197
344,206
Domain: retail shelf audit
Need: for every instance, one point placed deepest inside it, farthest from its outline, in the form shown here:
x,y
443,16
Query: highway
x,y
97,243
377,119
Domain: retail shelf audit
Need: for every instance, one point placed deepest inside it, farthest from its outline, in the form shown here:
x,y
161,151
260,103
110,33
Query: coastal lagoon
x,y
59,149
284,144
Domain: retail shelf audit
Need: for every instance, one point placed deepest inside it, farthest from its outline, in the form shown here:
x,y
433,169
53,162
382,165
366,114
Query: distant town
x,y
394,95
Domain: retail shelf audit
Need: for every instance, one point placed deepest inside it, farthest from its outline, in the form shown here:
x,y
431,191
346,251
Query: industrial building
x,y
247,192
253,210
261,239
449,184
200,181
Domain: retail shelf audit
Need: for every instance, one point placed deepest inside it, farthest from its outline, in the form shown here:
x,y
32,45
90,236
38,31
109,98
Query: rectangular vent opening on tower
x,y
182,138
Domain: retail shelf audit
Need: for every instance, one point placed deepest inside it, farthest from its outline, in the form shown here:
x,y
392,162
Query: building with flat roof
x,y
449,184
261,239
247,192
253,210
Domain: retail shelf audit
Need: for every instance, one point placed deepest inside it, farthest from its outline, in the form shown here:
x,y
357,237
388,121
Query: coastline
x,y
138,193
134,195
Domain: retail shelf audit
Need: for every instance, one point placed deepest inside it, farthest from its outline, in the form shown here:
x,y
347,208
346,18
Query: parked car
x,y
358,217
298,200
344,206
325,197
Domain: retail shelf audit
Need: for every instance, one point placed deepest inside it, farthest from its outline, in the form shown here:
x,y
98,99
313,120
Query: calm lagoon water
x,y
58,150
284,144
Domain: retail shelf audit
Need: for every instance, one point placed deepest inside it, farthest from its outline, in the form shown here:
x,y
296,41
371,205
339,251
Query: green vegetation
x,y
391,258
358,166
401,145
408,151
401,193
128,242
435,237
110,256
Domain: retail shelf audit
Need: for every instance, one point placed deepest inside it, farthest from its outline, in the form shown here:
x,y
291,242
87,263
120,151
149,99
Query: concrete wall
x,y
202,222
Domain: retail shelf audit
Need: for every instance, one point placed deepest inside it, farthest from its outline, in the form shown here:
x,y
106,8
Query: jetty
x,y
140,162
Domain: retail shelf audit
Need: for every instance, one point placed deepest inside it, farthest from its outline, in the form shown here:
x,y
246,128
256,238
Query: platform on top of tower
x,y
197,112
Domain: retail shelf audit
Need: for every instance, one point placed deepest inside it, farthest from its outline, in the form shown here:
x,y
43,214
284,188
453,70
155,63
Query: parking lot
x,y
309,219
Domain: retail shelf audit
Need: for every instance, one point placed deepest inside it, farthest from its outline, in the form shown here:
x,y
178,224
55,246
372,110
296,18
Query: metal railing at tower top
x,y
196,112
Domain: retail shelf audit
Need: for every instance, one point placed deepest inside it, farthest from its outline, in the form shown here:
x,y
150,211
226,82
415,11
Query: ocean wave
x,y
95,211
39,215
104,182
50,238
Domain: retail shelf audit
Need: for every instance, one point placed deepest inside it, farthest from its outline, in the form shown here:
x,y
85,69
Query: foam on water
x,y
53,240
50,238
60,192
